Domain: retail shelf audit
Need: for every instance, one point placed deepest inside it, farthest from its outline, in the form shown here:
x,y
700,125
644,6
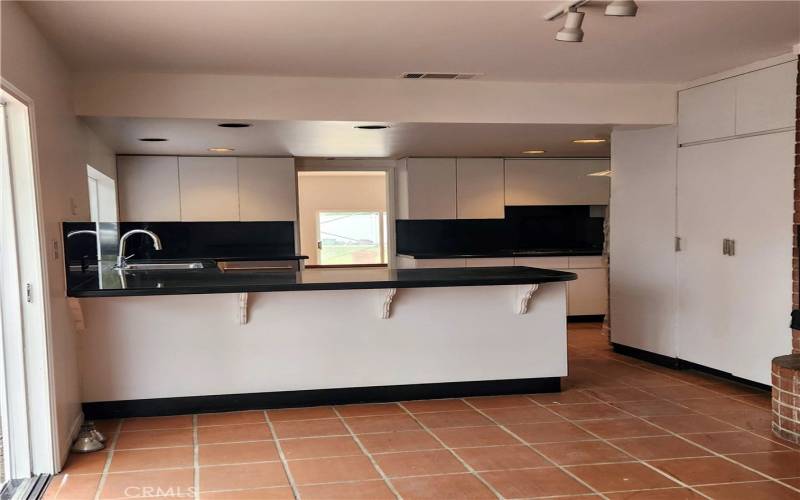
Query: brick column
x,y
796,228
786,369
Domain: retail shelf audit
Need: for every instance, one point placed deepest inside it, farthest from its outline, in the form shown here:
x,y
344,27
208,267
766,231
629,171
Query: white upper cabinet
x,y
480,188
209,188
426,188
148,188
758,101
267,189
556,182
765,99
707,112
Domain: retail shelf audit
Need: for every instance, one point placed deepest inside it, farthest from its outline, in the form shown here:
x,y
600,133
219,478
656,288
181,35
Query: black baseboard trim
x,y
650,357
586,318
292,399
680,364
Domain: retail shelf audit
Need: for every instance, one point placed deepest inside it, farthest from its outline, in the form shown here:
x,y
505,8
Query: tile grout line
x,y
195,458
282,456
530,447
452,452
104,474
368,455
709,450
578,424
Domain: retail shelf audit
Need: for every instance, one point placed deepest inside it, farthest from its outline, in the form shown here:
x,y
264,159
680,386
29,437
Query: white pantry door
x,y
703,278
761,186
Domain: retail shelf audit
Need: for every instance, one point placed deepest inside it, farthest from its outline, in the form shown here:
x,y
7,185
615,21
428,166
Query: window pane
x,y
349,238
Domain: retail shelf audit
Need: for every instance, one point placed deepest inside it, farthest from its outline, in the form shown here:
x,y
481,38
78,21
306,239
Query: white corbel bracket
x,y
524,297
386,306
243,297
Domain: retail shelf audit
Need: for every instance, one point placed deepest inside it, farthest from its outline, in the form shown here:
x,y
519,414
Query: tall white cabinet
x,y
724,187
734,301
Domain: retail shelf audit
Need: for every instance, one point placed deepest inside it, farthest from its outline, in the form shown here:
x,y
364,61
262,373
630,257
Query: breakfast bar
x,y
234,340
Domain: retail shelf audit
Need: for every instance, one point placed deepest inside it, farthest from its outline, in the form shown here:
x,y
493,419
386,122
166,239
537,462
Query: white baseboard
x,y
73,434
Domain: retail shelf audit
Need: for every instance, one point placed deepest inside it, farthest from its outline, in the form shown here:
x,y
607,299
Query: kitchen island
x,y
178,341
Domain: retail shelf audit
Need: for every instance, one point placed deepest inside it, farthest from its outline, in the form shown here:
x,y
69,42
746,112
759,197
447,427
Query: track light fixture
x,y
622,8
571,32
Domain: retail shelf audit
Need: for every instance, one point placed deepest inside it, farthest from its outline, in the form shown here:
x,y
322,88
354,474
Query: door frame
x,y
31,445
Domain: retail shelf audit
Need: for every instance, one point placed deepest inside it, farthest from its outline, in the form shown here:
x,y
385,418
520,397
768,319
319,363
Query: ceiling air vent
x,y
440,76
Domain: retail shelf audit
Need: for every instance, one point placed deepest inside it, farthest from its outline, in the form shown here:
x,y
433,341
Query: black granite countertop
x,y
212,280
550,252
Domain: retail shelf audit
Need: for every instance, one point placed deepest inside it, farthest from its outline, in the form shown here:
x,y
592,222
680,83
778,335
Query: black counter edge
x,y
681,364
317,397
366,285
796,319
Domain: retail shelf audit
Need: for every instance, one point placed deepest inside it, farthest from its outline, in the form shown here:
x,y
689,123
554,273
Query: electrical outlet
x,y
73,207
56,250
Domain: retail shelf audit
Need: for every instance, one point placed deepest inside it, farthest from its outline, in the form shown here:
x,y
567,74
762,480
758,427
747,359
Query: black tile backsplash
x,y
525,228
192,240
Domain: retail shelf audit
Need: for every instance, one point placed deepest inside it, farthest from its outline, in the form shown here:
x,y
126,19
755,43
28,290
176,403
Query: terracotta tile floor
x,y
621,429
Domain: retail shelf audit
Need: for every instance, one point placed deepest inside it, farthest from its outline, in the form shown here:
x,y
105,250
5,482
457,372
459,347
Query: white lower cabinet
x,y
588,295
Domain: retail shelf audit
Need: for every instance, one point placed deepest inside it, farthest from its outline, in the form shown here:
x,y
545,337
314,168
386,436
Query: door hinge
x,y
29,293
678,244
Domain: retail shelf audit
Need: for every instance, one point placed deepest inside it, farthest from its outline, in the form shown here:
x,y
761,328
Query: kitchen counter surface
x,y
212,280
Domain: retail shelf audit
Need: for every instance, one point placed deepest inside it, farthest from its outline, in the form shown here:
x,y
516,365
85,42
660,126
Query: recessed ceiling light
x,y
220,150
372,127
152,139
534,152
234,125
589,141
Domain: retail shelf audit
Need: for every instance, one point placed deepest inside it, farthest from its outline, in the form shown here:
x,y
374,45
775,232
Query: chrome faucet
x,y
81,231
121,256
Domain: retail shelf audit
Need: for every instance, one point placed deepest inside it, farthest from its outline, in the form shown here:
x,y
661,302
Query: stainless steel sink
x,y
161,266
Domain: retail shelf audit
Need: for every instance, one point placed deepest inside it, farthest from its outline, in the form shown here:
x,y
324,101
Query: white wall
x,y
333,191
64,145
318,339
363,99
642,251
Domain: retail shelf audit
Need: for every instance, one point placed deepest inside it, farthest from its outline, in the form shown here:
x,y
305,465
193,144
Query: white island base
x,y
190,346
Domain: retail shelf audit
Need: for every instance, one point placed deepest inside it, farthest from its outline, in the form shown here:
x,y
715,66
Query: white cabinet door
x,y
761,185
703,271
707,112
642,246
543,262
490,262
765,99
480,188
588,295
433,263
267,189
209,188
556,182
148,188
431,188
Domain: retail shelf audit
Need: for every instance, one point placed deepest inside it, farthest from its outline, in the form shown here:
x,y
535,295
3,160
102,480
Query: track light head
x,y
622,8
572,31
